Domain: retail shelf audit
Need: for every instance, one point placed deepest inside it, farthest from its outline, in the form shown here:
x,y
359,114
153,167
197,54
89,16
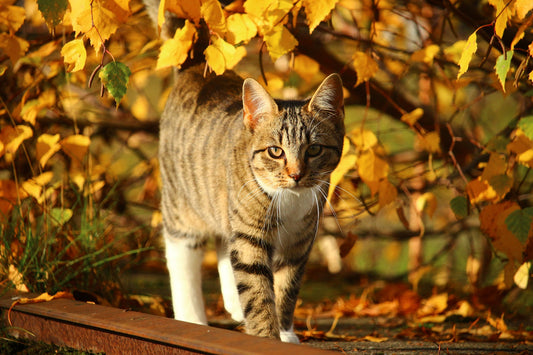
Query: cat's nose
x,y
296,176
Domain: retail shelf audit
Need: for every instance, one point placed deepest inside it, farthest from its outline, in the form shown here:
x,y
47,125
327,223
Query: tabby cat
x,y
252,172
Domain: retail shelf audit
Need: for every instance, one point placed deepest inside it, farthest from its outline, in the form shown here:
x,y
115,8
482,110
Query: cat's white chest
x,y
293,206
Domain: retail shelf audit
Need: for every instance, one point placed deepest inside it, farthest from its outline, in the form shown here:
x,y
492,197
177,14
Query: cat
x,y
253,173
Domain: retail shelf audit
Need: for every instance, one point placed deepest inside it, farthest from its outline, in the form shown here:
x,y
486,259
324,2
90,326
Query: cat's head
x,y
294,144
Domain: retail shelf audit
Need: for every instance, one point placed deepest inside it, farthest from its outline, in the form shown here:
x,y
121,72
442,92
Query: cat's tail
x,y
171,24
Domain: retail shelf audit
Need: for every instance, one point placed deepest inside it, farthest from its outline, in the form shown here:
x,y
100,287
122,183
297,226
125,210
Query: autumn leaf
x,y
31,109
8,197
466,56
221,55
387,193
522,275
47,145
492,219
35,186
213,15
268,14
522,146
503,15
430,142
241,28
15,47
186,9
11,16
74,54
44,297
412,117
306,67
317,11
279,41
98,19
371,169
175,50
11,138
503,64
363,139
115,77
365,67
53,11
346,164
426,55
76,146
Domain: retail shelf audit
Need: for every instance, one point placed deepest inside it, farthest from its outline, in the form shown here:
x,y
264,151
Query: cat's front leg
x,y
288,271
251,259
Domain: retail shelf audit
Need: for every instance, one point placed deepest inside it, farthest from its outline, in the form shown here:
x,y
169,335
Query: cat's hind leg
x,y
227,283
184,260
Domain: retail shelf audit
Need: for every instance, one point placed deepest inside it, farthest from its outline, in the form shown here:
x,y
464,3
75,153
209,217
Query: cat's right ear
x,y
256,102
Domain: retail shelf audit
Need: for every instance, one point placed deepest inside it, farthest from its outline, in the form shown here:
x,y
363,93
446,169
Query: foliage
x,y
443,145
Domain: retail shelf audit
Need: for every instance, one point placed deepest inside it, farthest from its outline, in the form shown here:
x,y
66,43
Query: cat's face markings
x,y
295,143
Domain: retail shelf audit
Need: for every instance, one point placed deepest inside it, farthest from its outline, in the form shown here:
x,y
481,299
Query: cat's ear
x,y
256,103
328,96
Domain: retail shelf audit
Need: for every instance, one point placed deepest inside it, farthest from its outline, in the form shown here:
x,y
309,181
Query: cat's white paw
x,y
288,336
234,308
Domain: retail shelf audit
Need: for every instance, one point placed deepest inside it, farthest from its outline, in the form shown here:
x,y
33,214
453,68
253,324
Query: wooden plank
x,y
98,328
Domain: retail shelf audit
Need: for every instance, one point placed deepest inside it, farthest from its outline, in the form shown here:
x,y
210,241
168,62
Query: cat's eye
x,y
314,150
275,152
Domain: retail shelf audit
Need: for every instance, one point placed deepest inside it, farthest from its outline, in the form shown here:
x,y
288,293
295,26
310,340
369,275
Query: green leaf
x,y
459,206
503,63
115,77
53,11
519,222
60,216
526,125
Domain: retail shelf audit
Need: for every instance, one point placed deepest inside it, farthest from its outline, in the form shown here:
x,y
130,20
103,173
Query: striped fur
x,y
223,178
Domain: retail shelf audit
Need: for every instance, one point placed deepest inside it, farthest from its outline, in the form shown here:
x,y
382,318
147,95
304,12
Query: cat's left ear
x,y
329,96
257,103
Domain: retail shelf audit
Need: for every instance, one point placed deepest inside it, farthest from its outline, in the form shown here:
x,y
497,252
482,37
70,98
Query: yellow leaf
x,y
186,9
372,169
47,145
363,139
387,193
374,339
317,11
12,138
9,195
33,108
241,28
427,202
522,275
530,76
220,55
496,165
98,19
426,55
15,47
74,54
434,305
466,56
268,14
522,7
365,67
213,15
306,67
430,142
346,163
479,190
175,50
15,276
76,147
412,117
522,146
279,41
503,15
35,186
11,16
